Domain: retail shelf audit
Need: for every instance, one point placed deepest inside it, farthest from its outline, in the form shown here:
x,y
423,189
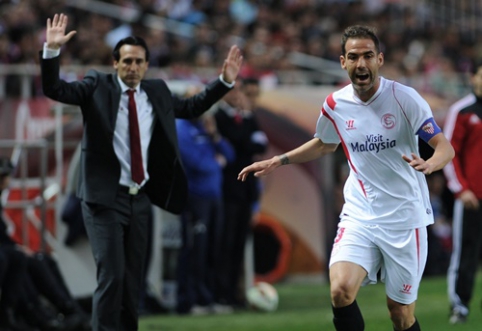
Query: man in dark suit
x,y
127,162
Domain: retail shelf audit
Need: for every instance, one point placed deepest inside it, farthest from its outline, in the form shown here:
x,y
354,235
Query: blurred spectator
x,y
464,130
439,233
445,81
35,277
13,265
71,213
243,11
204,153
237,122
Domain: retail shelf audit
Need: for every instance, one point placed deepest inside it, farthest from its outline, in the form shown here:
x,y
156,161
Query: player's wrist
x,y
283,158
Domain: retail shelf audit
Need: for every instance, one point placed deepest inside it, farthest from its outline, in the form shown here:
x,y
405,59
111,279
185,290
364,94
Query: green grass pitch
x,y
306,307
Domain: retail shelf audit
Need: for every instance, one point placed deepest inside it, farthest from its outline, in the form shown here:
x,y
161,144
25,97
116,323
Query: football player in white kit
x,y
383,222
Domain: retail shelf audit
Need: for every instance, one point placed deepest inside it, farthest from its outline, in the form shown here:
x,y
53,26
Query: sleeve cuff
x,y
230,85
49,53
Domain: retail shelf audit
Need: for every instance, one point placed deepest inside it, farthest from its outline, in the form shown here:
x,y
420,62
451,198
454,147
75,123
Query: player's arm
x,y
443,150
309,151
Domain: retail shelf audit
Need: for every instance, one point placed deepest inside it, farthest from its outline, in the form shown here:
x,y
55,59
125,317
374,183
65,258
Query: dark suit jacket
x,y
98,96
5,239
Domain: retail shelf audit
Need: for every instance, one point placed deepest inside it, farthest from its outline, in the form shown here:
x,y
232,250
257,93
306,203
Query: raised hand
x,y
55,35
232,64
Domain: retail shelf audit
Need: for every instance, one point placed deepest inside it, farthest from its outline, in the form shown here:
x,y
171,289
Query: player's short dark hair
x,y
6,166
359,32
131,40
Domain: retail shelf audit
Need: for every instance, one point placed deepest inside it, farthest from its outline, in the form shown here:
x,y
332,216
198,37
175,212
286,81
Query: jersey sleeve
x,y
325,129
418,112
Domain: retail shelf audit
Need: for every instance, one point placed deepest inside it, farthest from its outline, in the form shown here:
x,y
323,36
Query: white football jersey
x,y
382,189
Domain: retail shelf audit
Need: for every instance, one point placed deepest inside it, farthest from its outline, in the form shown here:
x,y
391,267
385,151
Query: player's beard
x,y
364,89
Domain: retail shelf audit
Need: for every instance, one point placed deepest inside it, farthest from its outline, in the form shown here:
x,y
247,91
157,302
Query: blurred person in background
x,y
236,121
440,232
13,265
30,280
130,160
463,127
204,153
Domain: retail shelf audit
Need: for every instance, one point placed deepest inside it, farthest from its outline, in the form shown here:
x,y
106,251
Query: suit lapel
x,y
160,111
151,94
113,101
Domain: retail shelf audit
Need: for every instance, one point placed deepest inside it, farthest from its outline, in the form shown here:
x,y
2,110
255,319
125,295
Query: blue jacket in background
x,y
198,153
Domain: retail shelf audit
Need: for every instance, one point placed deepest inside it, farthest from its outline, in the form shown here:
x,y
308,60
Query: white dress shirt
x,y
145,116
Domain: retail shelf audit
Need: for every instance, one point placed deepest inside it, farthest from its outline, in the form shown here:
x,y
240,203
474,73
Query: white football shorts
x,y
399,255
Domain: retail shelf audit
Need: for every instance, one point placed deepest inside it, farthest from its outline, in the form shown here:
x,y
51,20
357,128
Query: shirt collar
x,y
124,87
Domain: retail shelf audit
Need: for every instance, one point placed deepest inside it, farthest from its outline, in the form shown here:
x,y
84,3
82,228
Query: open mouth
x,y
362,77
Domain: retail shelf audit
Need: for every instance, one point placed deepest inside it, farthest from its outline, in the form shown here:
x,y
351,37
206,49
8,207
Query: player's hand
x,y
232,64
55,35
419,164
469,200
261,168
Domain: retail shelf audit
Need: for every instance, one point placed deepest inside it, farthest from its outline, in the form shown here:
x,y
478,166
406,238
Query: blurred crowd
x,y
422,49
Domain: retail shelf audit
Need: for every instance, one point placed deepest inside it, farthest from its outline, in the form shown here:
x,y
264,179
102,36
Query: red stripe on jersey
x,y
331,102
345,149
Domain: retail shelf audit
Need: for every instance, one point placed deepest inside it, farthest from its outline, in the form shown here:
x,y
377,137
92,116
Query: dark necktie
x,y
137,171
238,118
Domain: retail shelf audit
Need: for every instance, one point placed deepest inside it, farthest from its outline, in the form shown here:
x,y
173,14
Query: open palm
x,y
55,35
232,64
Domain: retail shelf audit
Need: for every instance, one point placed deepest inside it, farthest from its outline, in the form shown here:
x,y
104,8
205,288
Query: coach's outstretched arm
x,y
309,151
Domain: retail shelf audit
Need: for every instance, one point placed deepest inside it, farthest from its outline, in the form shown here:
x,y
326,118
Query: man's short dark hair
x,y
359,32
131,40
6,166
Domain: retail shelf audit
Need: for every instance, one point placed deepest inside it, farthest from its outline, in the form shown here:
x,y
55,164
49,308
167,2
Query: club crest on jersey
x,y
428,128
388,121
350,124
373,143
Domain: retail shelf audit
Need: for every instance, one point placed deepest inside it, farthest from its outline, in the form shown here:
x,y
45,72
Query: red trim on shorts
x,y
417,235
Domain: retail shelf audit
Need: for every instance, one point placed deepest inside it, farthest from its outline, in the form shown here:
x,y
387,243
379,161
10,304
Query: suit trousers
x,y
237,225
118,238
199,256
